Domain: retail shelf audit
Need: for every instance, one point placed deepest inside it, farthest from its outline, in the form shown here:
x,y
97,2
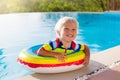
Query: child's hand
x,y
60,57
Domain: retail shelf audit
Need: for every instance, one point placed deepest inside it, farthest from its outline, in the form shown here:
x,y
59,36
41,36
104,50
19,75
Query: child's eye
x,y
66,28
73,29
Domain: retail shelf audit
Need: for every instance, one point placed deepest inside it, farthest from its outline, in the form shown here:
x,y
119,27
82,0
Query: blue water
x,y
99,31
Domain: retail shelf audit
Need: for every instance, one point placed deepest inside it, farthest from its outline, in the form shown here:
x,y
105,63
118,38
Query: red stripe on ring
x,y
32,65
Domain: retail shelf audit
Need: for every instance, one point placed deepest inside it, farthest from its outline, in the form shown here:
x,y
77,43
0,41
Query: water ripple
x,y
1,51
3,67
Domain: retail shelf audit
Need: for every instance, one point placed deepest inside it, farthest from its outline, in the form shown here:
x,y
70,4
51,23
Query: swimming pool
x,y
99,31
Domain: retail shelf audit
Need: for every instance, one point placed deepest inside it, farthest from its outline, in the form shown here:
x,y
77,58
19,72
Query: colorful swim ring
x,y
42,64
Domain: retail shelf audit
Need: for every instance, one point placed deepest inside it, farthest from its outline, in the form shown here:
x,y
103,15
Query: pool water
x,y
99,31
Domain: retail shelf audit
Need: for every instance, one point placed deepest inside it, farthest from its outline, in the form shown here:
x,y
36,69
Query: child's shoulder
x,y
78,46
51,44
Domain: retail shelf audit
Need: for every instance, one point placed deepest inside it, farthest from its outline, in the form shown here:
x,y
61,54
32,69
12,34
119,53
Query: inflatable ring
x,y
43,64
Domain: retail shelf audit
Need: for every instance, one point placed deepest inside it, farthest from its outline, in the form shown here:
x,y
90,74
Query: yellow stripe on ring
x,y
38,60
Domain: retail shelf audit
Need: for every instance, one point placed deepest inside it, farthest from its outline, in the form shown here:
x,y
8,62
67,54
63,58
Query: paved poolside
x,y
98,61
109,74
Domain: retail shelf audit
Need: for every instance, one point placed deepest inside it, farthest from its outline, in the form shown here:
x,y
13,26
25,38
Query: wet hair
x,y
61,22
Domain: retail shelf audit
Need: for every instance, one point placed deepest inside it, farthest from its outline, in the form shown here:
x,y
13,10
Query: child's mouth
x,y
70,35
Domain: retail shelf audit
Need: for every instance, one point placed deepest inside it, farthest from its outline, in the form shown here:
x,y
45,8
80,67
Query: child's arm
x,y
59,56
87,55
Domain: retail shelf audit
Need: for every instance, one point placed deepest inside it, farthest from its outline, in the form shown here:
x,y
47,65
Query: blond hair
x,y
64,21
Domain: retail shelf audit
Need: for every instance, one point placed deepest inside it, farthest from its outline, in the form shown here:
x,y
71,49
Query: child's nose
x,y
70,31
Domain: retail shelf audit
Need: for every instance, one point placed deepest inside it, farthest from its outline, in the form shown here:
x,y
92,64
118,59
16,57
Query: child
x,y
66,30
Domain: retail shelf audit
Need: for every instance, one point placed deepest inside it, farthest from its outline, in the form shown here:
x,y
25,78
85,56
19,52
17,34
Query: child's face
x,y
68,32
